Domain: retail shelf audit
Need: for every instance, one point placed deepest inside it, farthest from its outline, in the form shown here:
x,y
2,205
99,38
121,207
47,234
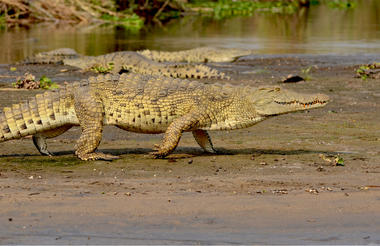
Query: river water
x,y
316,30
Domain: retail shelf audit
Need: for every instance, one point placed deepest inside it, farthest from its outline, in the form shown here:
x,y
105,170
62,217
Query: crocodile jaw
x,y
277,101
79,62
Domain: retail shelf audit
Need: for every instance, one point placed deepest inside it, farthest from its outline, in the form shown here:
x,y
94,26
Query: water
x,y
317,30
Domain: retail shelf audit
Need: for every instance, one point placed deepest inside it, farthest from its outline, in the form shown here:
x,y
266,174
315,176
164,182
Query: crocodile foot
x,y
46,152
159,154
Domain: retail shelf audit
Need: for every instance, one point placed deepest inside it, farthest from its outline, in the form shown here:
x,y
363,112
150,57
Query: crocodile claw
x,y
156,147
158,154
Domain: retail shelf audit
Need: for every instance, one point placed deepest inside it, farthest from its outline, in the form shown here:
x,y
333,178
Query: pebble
x,y
321,169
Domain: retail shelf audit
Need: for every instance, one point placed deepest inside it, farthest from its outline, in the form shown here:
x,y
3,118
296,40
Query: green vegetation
x,y
339,161
132,21
361,72
306,73
341,4
29,82
3,21
100,69
47,84
367,71
226,8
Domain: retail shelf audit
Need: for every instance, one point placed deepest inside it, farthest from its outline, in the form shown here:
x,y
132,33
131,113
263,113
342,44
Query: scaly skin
x,y
134,62
124,61
146,104
51,57
197,55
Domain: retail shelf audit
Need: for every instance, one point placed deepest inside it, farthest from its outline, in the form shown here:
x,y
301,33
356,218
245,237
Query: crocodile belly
x,y
139,124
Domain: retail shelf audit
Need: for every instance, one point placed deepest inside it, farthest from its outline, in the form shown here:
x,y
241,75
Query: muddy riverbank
x,y
275,182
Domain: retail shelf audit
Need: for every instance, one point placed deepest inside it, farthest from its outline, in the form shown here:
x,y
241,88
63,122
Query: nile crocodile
x,y
124,61
202,54
146,104
134,62
51,57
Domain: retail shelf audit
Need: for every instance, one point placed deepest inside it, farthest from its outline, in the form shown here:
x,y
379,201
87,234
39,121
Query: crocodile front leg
x,y
174,133
90,116
203,139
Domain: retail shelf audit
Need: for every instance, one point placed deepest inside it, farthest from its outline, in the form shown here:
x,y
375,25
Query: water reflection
x,y
318,29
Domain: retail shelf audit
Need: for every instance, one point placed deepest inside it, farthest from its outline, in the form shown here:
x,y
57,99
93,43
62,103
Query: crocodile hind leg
x,y
174,133
90,115
204,140
39,139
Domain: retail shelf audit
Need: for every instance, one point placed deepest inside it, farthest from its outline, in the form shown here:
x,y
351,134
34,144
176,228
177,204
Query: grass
x,y
132,21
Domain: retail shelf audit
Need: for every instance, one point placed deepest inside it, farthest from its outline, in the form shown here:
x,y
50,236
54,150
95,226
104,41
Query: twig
x,y
160,10
79,16
83,11
41,10
103,10
86,8
146,4
15,4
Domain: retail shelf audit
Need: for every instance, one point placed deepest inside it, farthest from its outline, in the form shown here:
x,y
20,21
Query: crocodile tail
x,y
43,112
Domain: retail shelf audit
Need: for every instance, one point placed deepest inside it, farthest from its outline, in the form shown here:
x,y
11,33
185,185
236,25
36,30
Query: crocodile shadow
x,y
196,151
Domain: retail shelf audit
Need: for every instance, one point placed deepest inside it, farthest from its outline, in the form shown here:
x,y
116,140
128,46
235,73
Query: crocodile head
x,y
274,101
81,62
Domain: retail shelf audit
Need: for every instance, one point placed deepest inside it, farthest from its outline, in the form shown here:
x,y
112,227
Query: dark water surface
x,y
316,30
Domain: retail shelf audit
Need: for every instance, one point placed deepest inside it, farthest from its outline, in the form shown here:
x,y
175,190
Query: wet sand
x,y
273,182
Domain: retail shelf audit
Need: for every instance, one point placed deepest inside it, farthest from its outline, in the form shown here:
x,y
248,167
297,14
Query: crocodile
x,y
124,61
129,61
146,104
196,55
51,57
